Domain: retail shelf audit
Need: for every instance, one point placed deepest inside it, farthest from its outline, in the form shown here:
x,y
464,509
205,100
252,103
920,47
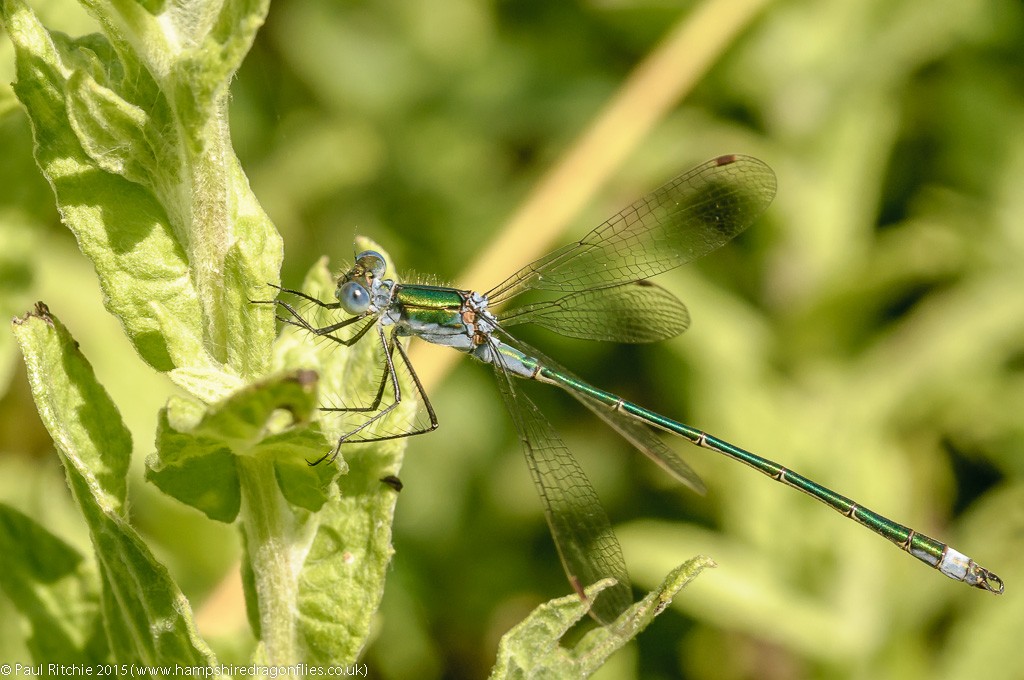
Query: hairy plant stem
x,y
274,535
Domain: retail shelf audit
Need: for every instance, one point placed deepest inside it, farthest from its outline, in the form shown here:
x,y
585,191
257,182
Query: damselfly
x,y
605,296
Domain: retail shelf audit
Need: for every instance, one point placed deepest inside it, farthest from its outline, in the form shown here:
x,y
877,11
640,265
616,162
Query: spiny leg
x,y
419,390
374,405
326,331
389,349
304,296
300,321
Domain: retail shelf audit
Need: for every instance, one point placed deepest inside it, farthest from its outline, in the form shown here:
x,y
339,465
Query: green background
x,y
868,331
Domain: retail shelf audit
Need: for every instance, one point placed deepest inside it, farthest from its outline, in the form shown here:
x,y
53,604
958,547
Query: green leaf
x,y
54,589
342,579
77,411
147,618
197,445
532,649
131,132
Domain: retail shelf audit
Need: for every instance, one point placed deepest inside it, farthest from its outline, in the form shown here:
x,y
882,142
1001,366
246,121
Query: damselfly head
x,y
354,286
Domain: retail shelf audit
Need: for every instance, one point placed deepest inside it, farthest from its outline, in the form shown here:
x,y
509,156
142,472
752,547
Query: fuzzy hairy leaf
x,y
533,650
197,446
130,132
147,618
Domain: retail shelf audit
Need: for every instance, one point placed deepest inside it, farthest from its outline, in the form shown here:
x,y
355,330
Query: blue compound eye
x,y
372,262
354,298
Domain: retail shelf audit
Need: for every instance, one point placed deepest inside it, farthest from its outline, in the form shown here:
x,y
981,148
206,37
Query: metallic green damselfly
x,y
605,296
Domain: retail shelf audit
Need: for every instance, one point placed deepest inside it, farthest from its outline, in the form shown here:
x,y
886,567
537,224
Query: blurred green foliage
x,y
868,332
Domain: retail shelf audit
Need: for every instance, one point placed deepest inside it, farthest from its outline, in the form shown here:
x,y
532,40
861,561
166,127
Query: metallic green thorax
x,y
433,313
431,304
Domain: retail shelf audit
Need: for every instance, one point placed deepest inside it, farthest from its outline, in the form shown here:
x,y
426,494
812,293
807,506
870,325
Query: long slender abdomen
x,y
934,553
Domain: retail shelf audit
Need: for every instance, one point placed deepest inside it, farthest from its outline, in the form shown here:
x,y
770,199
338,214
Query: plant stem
x,y
271,530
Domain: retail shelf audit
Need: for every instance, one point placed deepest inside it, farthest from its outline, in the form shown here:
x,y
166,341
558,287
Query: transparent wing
x,y
647,442
641,436
634,312
690,216
579,526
